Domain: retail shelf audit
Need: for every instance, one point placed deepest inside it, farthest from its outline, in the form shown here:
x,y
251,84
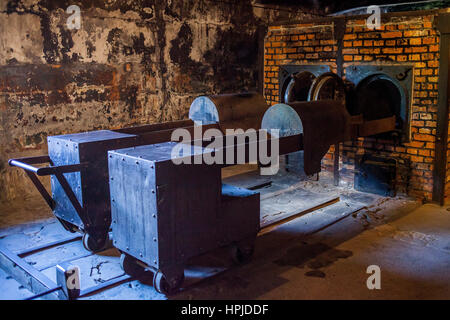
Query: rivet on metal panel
x,y
137,162
123,159
141,255
112,199
154,239
154,261
128,249
153,191
154,215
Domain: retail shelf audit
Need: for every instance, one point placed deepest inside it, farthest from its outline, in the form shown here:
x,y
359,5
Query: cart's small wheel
x,y
93,244
130,265
242,253
161,284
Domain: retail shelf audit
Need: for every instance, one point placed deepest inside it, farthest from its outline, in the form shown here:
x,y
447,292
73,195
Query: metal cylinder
x,y
290,118
231,111
322,123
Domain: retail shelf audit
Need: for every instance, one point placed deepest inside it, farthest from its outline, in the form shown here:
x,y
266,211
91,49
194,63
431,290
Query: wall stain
x,y
50,39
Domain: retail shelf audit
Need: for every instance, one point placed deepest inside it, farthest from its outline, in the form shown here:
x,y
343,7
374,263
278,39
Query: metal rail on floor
x,y
36,281
33,279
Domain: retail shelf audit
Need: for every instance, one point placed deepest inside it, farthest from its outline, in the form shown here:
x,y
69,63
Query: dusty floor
x,y
413,252
410,242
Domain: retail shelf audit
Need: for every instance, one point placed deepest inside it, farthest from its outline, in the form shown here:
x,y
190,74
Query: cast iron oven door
x,y
296,80
328,86
380,92
376,174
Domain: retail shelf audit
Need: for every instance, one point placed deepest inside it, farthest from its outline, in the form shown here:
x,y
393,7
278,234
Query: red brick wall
x,y
402,39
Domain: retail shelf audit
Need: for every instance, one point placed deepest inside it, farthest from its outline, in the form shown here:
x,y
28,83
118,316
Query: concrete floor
x,y
410,242
412,250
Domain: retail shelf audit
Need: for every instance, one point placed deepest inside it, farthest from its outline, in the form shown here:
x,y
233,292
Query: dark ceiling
x,y
330,6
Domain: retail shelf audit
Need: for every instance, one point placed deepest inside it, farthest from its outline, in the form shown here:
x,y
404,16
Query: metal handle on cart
x,y
33,172
26,164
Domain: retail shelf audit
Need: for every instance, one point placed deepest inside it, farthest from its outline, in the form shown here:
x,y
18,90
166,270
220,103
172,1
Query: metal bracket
x,y
58,171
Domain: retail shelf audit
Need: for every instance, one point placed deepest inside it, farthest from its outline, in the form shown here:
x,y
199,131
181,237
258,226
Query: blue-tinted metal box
x,y
165,213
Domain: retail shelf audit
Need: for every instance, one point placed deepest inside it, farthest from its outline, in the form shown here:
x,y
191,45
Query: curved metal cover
x,y
287,71
284,118
298,87
322,123
328,86
237,111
